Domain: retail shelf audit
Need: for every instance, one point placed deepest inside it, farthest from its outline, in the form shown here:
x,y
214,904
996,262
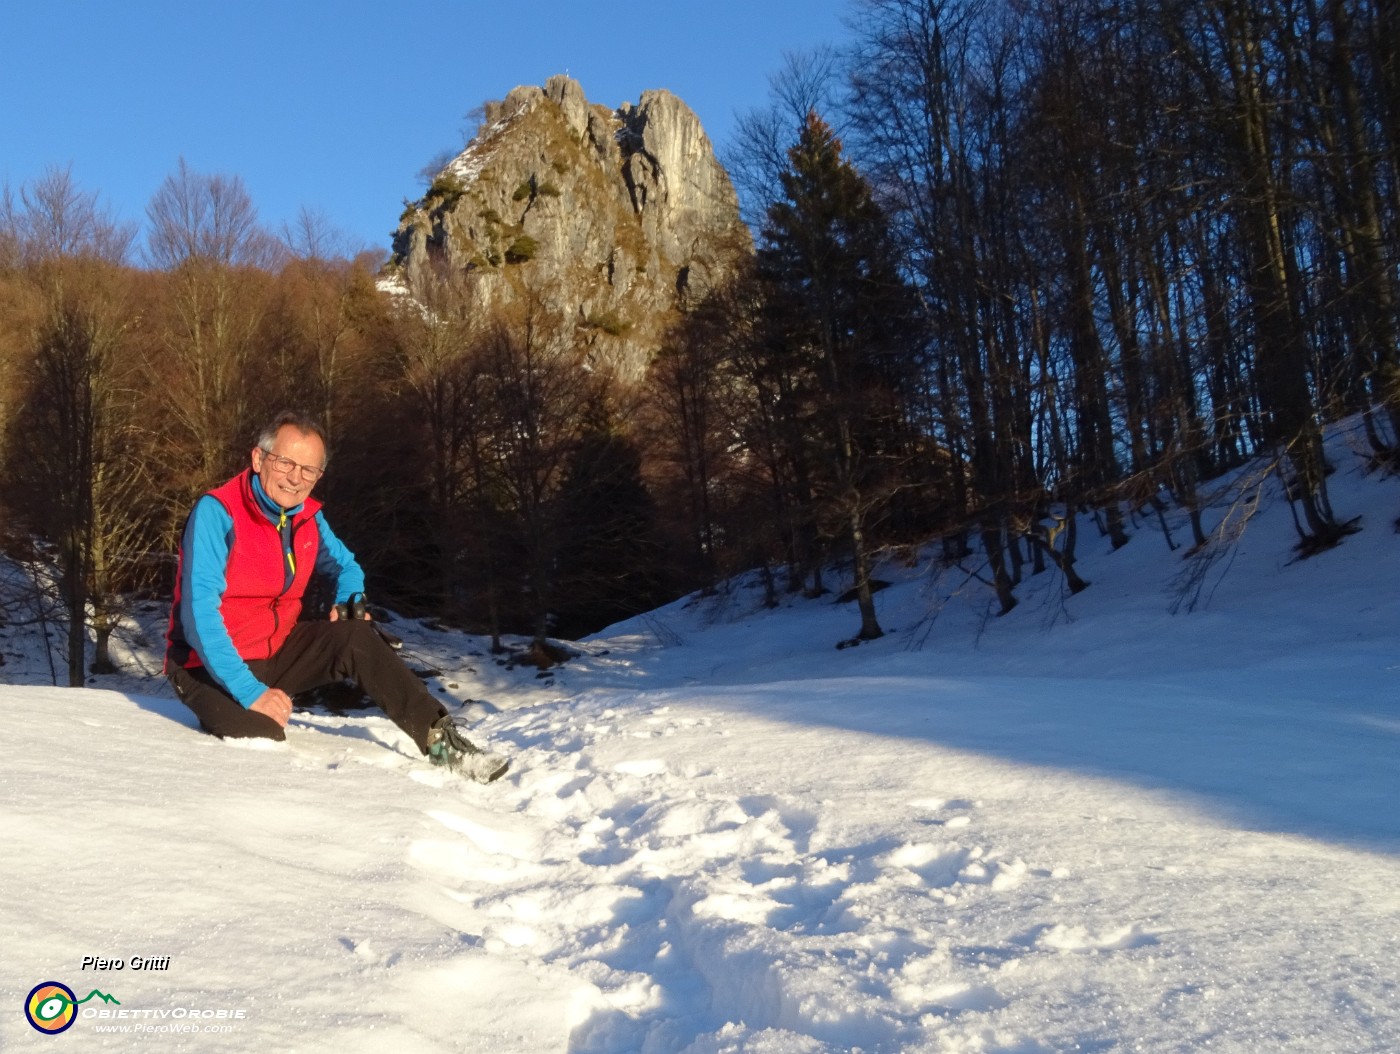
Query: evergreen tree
x,y
610,552
837,346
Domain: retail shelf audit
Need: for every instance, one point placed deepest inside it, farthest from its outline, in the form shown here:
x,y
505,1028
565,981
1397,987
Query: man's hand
x,y
276,704
335,613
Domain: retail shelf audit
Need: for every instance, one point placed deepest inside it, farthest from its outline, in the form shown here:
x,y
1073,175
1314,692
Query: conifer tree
x,y
610,552
837,336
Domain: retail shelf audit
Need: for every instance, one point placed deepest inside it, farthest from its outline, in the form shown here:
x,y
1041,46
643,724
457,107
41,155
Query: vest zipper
x,y
287,580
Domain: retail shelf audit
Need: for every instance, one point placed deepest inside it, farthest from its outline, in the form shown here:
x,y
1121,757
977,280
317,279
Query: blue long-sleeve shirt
x,y
207,541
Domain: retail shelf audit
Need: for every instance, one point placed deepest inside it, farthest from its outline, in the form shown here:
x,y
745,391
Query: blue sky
x,y
338,104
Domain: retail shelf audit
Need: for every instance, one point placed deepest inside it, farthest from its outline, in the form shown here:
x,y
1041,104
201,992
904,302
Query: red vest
x,y
259,605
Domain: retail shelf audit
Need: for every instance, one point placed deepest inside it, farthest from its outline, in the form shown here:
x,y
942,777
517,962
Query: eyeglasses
x,y
285,465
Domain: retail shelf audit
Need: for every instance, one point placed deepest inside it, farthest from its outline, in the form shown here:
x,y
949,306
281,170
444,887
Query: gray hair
x,y
303,423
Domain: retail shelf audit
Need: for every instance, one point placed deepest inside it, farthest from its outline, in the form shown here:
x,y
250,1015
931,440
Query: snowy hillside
x,y
1091,825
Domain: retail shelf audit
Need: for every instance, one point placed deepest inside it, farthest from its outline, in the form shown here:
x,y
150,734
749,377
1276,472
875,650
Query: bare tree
x,y
207,218
204,234
322,318
441,379
540,401
936,80
76,473
808,81
1243,74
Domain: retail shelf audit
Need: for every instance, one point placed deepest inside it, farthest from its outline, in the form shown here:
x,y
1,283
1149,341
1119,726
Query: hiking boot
x,y
447,746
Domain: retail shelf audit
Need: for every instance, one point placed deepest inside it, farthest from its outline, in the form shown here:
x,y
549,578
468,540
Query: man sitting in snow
x,y
236,652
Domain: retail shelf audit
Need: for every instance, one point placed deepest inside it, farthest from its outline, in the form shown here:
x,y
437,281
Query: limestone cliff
x,y
606,218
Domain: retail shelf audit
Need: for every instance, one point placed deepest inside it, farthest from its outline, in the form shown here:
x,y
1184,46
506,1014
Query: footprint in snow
x,y
951,867
1079,939
945,812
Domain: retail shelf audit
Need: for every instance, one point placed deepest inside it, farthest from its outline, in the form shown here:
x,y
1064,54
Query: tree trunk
x,y
996,563
1063,558
869,625
75,598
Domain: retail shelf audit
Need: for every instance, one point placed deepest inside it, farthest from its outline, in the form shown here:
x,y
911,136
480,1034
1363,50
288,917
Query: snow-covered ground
x,y
1091,825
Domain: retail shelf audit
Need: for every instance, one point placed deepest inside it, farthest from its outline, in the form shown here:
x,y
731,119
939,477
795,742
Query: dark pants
x,y
316,653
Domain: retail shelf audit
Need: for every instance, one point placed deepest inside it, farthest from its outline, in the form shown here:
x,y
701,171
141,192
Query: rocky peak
x,y
606,218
